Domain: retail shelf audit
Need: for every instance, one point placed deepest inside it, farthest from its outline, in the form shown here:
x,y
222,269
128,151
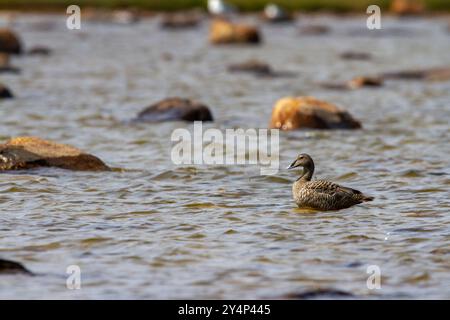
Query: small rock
x,y
314,30
11,267
407,7
318,294
430,74
259,69
352,55
5,93
173,109
182,20
38,50
308,112
9,42
355,83
359,82
252,66
31,152
225,32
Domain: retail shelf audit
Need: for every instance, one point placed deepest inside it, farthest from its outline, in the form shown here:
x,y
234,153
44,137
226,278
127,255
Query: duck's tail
x,y
367,198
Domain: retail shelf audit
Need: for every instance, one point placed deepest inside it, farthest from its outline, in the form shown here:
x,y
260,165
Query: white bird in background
x,y
218,7
272,11
275,13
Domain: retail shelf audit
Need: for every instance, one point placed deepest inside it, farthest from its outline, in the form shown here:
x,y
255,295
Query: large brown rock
x,y
308,112
407,7
9,42
225,32
5,92
173,109
31,152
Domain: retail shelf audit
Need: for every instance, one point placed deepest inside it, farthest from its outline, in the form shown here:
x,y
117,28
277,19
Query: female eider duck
x,y
320,194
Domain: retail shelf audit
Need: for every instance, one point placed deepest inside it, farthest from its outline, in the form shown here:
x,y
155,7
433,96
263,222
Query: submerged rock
x,y
355,83
407,7
32,152
314,30
318,294
353,55
225,32
38,50
308,112
5,93
258,69
10,42
431,74
12,267
183,20
173,109
362,81
252,66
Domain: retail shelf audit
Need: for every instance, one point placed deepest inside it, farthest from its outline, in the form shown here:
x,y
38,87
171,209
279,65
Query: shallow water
x,y
155,230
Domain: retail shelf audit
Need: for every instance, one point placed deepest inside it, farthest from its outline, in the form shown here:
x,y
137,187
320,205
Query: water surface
x,y
155,230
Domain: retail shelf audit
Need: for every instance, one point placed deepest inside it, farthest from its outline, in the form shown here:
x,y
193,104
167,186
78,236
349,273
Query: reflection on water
x,y
153,230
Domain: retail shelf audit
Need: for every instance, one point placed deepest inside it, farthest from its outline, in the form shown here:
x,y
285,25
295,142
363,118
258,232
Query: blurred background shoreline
x,y
335,6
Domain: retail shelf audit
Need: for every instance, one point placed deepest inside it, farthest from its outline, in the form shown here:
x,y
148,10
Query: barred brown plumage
x,y
321,194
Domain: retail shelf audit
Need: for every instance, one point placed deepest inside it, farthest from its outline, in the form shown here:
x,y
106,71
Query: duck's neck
x,y
308,172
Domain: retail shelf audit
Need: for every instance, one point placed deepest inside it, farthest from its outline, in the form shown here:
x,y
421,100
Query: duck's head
x,y
303,160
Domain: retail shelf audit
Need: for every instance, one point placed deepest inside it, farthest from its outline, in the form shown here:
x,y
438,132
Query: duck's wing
x,y
333,192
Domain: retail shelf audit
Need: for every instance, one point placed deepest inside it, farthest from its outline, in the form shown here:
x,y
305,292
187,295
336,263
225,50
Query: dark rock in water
x,y
359,82
11,267
259,69
32,152
355,83
5,67
41,51
10,42
184,20
314,30
318,294
252,66
308,112
5,93
173,109
353,55
431,74
225,32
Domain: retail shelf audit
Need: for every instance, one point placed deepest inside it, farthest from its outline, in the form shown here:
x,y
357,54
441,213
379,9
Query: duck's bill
x,y
293,165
